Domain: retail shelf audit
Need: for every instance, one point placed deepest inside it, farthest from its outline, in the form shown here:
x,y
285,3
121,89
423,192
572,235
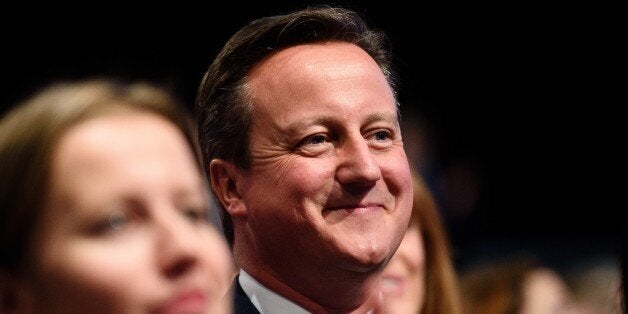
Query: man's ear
x,y
224,180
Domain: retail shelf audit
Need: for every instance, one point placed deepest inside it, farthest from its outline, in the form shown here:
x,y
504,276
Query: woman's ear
x,y
15,297
225,178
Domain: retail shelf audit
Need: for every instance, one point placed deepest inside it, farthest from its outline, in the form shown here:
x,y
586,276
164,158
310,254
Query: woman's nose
x,y
176,247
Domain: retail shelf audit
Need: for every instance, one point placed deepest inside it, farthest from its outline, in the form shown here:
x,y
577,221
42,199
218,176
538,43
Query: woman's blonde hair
x,y
441,287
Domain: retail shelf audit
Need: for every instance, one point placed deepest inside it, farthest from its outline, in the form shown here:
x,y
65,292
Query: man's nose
x,y
357,165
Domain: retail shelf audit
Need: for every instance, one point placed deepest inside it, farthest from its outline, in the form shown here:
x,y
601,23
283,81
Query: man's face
x,y
329,184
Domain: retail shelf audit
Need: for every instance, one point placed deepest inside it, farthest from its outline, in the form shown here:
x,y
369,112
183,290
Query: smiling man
x,y
300,137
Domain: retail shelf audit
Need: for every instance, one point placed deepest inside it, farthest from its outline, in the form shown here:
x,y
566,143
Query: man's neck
x,y
264,299
344,294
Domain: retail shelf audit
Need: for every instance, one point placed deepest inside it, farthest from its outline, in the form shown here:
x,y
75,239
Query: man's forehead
x,y
312,58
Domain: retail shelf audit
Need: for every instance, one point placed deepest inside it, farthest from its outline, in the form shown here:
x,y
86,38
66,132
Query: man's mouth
x,y
355,208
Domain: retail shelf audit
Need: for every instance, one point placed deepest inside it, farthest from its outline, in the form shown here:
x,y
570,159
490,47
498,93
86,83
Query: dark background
x,y
518,101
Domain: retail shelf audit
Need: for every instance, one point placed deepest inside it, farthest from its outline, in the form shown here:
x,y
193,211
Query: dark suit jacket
x,y
241,302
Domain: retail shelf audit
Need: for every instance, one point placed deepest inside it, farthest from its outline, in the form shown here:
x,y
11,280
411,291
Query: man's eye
x,y
315,144
382,135
316,139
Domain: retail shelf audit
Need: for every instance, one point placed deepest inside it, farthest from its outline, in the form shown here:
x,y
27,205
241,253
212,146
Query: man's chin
x,y
367,258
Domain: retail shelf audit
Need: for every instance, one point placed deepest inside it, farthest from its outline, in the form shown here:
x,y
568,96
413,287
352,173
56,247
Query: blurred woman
x,y
420,277
515,285
103,207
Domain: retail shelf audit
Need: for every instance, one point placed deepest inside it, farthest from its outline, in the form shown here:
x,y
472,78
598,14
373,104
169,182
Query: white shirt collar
x,y
265,300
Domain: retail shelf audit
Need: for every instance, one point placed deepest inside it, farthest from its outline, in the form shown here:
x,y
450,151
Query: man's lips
x,y
362,207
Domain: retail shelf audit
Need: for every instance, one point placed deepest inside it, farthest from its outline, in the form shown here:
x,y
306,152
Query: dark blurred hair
x,y
624,269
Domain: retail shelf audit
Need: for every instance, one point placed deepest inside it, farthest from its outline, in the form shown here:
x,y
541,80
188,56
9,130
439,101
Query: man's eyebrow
x,y
381,116
327,120
301,124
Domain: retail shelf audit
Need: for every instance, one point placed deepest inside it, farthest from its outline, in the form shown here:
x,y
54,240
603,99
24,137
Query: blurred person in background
x,y
420,277
103,206
515,286
595,284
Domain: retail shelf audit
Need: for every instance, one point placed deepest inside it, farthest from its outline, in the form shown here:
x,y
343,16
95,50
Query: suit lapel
x,y
241,302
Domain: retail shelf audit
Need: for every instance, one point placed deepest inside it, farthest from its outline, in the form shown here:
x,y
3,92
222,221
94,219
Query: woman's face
x,y
125,226
403,282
